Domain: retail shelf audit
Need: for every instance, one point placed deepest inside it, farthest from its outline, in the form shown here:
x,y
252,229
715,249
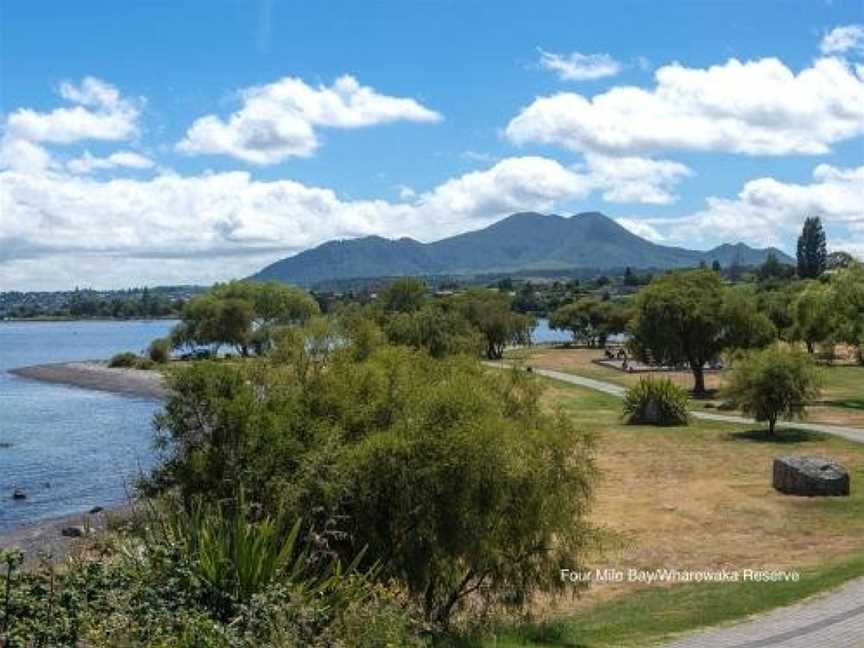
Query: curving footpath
x,y
830,620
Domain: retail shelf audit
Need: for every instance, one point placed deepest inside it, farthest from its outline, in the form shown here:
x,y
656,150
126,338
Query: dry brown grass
x,y
700,497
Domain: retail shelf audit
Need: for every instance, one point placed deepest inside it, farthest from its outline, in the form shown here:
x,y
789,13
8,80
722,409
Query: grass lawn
x,y
693,498
841,403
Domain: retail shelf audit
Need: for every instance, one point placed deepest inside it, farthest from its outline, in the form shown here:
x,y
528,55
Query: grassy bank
x,y
657,614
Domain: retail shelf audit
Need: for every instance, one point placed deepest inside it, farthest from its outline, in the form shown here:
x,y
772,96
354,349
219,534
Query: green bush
x,y
450,475
774,383
126,360
159,350
656,401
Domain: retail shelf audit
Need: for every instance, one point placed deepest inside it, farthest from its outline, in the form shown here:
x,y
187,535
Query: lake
x,y
69,448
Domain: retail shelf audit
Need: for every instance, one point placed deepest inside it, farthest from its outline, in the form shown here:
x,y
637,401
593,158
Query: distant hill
x,y
521,242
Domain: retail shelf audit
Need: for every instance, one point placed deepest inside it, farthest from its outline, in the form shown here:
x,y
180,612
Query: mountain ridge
x,y
523,241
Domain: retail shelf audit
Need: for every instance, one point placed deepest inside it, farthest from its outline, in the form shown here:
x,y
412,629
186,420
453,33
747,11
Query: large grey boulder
x,y
810,476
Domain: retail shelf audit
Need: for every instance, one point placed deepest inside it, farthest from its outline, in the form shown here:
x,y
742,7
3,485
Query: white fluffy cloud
x,y
278,120
88,163
848,38
767,211
635,179
100,113
111,225
756,107
579,67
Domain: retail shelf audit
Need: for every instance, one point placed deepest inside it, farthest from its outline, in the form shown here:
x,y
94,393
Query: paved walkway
x,y
831,620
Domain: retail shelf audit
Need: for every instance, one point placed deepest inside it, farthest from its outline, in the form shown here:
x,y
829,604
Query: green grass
x,y
657,614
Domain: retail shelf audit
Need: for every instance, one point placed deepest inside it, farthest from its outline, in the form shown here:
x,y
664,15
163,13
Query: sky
x,y
176,142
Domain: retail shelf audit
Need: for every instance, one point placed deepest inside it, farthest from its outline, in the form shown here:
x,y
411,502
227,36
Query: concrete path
x,y
831,620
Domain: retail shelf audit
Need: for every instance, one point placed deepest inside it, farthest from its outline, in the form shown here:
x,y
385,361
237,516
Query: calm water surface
x,y
69,448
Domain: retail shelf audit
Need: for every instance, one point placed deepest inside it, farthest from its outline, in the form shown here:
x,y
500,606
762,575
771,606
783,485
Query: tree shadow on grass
x,y
782,436
849,403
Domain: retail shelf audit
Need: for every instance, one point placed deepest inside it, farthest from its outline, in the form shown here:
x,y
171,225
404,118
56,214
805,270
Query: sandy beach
x,y
97,375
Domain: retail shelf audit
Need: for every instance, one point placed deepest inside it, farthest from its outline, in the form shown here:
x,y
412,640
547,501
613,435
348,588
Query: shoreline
x,y
45,537
91,374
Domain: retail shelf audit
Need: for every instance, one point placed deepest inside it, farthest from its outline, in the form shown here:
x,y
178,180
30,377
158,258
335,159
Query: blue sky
x,y
693,123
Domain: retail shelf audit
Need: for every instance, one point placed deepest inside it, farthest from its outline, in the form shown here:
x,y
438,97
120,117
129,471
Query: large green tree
x,y
678,321
811,251
490,313
815,319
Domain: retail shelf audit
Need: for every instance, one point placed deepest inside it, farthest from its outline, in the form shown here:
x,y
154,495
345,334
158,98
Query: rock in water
x,y
19,494
810,476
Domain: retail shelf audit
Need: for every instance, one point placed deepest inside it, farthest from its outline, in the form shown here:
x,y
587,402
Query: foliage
x,y
745,327
210,578
773,383
811,250
848,305
772,268
489,311
437,330
813,315
678,321
453,477
590,320
242,315
404,295
125,360
656,401
159,350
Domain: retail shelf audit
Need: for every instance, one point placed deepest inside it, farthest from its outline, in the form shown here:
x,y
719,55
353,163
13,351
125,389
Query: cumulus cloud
x,y
848,38
192,220
755,107
100,113
579,67
635,179
279,120
767,211
89,163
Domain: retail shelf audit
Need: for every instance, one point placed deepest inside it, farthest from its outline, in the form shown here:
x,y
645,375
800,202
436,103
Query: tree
x,y
454,478
404,295
847,287
773,269
814,317
490,313
773,383
811,251
678,321
590,321
715,266
745,327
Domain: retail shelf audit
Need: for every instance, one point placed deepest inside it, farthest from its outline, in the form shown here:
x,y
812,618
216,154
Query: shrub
x,y
159,350
127,359
454,478
656,401
144,364
772,383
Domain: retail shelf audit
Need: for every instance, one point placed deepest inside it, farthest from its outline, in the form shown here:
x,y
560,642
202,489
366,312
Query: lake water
x,y
69,448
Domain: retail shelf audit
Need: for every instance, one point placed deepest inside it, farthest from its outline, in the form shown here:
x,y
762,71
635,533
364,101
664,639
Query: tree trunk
x,y
809,346
698,379
771,423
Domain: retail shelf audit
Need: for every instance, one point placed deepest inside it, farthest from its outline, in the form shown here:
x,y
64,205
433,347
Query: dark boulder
x,y
810,476
72,531
95,509
19,494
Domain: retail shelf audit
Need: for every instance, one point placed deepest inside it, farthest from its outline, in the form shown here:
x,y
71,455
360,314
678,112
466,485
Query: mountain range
x,y
520,243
